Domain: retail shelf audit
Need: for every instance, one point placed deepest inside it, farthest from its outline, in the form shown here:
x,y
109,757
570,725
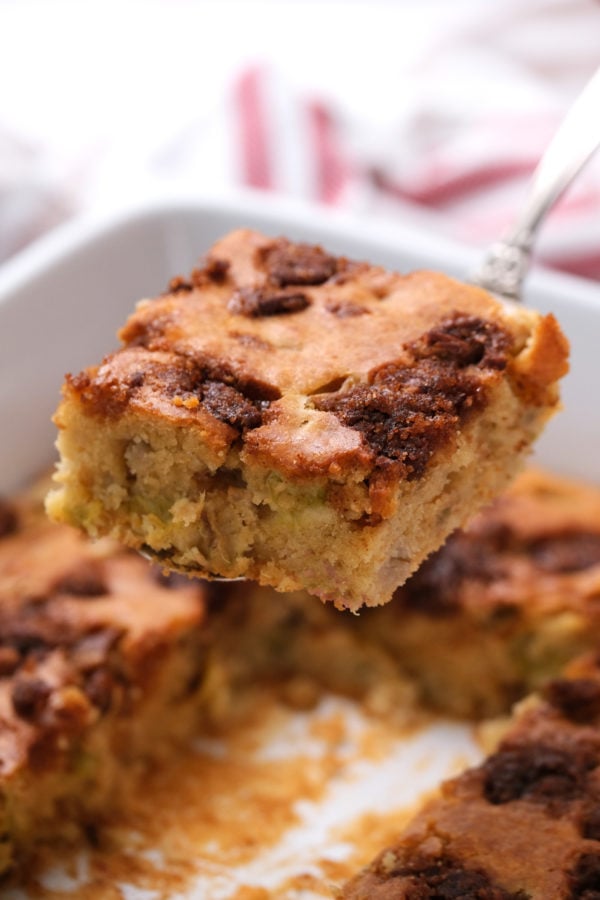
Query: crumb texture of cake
x,y
302,420
524,825
304,648
505,603
102,671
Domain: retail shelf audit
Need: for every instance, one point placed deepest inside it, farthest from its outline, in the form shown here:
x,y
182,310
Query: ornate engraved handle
x,y
573,144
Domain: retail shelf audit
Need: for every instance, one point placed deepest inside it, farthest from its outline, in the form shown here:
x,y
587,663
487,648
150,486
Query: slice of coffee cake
x,y
102,670
292,417
524,825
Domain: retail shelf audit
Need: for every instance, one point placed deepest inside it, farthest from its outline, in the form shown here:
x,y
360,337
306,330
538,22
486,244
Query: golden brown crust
x,y
291,332
542,363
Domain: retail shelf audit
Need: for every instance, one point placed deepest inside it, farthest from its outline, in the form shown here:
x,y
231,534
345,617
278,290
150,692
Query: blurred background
x,y
434,111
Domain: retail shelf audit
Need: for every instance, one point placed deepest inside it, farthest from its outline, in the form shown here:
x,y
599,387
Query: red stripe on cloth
x,y
256,163
331,170
447,189
492,216
577,201
587,265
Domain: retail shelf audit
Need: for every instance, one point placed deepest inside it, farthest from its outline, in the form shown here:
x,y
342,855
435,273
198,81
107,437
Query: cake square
x,y
104,668
523,824
302,420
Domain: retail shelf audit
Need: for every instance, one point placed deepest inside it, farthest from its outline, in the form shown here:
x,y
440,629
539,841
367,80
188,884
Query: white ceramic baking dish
x,y
60,305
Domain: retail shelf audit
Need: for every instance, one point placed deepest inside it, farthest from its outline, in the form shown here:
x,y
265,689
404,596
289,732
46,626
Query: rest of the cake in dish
x,y
103,669
505,603
107,664
291,417
524,825
301,648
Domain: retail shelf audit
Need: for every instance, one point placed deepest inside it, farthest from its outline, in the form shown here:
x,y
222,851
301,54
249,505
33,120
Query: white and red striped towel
x,y
452,136
471,176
